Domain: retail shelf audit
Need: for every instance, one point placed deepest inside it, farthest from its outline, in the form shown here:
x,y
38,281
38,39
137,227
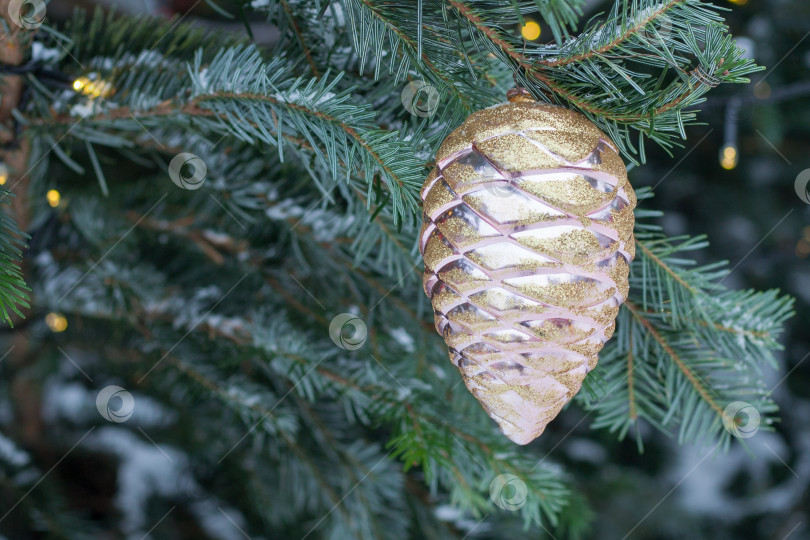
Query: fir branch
x,y
665,267
694,380
309,113
696,50
677,335
349,130
13,289
626,34
298,34
633,414
372,19
14,211
362,387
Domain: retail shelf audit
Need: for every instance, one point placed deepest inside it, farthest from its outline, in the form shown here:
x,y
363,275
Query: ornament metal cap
x,y
519,94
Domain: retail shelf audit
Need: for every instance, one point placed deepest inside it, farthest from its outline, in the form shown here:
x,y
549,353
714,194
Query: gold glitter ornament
x,y
527,240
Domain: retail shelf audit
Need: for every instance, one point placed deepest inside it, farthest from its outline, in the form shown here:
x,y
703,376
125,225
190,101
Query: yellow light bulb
x,y
530,31
802,249
53,197
56,322
3,174
100,89
93,88
739,2
80,83
728,158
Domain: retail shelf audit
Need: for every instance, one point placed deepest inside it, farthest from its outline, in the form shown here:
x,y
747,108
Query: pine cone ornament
x,y
527,240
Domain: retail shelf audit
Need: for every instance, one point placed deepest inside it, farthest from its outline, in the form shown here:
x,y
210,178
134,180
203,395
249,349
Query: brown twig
x,y
536,70
297,29
666,268
14,152
693,378
630,32
425,59
193,108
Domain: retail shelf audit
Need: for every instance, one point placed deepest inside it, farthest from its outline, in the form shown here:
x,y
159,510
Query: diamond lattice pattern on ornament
x,y
527,240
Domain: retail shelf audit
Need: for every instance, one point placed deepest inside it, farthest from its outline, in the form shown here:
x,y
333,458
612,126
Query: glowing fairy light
x,y
728,157
56,322
530,30
54,197
93,88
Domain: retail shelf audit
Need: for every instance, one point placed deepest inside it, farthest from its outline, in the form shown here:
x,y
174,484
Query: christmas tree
x,y
213,285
